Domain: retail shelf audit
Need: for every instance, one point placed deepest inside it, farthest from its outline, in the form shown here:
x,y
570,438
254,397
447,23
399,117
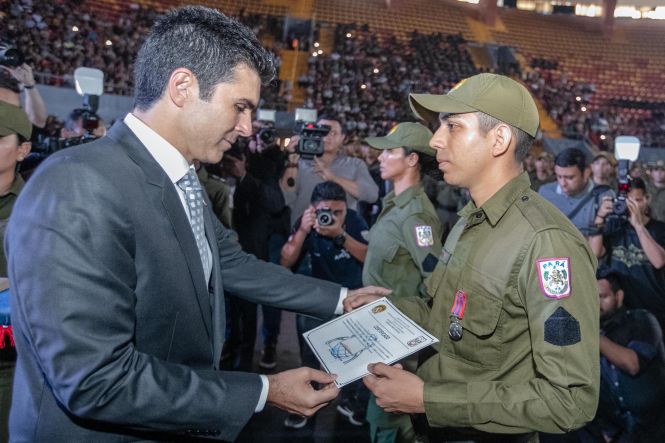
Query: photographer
x,y
573,192
348,172
632,367
75,125
633,246
334,238
17,79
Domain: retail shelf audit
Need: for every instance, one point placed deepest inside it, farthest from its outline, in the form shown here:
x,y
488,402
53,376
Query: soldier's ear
x,y
503,137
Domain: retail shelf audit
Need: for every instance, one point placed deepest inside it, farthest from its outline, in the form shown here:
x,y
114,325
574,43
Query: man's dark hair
x,y
332,118
203,40
571,157
328,191
523,141
612,278
639,183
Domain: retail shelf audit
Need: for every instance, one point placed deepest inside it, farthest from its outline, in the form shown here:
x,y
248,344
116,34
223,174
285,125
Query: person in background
x,y
15,130
405,242
631,408
602,169
633,246
544,172
337,251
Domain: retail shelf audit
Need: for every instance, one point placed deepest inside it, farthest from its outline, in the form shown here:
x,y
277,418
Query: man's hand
x,y
395,389
22,74
360,297
308,220
637,217
605,208
323,170
293,391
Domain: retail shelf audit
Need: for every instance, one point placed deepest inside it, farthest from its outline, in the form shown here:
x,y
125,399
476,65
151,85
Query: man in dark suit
x,y
117,266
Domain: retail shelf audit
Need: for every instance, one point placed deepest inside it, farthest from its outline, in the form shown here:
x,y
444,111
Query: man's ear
x,y
503,136
182,86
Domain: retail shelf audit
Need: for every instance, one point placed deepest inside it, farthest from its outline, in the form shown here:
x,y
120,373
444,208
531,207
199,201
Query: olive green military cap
x,y
13,120
414,136
496,95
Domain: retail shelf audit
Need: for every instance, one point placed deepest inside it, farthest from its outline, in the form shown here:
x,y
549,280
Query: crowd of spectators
x,y
572,105
367,77
58,36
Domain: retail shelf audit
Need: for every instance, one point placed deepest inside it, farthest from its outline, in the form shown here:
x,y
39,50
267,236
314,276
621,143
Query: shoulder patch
x,y
430,263
562,329
554,277
424,236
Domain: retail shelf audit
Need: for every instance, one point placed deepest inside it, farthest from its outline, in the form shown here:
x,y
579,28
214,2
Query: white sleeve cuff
x,y
339,310
264,394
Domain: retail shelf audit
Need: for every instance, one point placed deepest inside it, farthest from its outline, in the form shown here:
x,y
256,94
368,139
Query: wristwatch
x,y
339,240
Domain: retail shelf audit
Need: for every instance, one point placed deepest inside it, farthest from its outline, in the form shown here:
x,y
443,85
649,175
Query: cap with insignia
x,y
495,95
414,136
13,120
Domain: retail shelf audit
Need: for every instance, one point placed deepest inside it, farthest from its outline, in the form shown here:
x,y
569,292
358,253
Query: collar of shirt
x,y
498,204
17,185
404,197
168,157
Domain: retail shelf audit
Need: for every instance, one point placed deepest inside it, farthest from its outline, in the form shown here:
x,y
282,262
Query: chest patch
x,y
554,277
424,236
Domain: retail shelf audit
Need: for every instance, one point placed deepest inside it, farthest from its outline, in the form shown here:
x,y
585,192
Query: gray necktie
x,y
194,198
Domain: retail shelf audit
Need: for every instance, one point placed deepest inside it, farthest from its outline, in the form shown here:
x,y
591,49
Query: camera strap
x,y
594,193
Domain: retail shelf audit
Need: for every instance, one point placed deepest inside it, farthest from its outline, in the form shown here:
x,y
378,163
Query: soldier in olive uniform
x,y
512,299
404,242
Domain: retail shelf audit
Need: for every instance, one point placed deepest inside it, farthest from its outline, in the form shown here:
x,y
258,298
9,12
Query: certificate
x,y
376,332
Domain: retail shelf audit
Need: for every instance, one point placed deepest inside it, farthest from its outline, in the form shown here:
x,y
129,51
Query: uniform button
x,y
525,198
478,215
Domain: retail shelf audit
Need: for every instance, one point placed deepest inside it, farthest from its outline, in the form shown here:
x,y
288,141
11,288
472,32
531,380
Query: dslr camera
x,y
324,217
311,139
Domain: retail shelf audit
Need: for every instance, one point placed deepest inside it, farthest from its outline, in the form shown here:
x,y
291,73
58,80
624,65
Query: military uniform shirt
x,y
6,205
528,356
404,243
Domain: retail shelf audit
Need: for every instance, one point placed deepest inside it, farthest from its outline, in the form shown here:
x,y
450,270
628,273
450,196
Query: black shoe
x,y
268,359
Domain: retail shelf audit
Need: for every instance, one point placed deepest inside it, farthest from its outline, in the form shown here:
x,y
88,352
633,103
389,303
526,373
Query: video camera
x,y
311,134
10,56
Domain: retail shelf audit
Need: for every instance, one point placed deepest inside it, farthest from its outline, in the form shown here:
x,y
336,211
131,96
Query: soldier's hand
x,y
395,389
293,390
360,297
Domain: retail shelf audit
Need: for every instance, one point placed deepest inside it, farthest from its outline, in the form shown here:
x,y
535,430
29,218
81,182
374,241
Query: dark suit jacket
x,y
117,333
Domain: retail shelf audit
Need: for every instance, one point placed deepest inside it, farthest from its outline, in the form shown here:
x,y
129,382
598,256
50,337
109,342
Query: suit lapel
x,y
161,189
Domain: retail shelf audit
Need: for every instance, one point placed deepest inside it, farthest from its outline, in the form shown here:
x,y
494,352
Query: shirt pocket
x,y
481,343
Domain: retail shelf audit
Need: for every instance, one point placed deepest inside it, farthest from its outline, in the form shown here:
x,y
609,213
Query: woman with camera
x,y
404,243
632,245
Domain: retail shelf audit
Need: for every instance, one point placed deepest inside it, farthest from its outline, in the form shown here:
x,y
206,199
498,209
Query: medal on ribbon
x,y
455,330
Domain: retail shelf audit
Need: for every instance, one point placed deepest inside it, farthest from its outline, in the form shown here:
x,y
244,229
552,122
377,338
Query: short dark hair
x,y
328,191
639,183
203,40
523,141
571,157
612,278
332,118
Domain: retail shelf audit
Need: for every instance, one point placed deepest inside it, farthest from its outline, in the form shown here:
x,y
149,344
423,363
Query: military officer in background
x,y
512,299
405,242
